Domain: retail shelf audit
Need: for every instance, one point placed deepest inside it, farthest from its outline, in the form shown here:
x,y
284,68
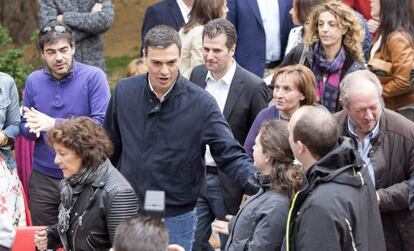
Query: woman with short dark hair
x,y
95,197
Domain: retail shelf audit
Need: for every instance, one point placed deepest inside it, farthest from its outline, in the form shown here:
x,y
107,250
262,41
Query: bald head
x,y
315,128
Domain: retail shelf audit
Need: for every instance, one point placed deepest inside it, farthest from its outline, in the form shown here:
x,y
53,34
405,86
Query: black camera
x,y
154,204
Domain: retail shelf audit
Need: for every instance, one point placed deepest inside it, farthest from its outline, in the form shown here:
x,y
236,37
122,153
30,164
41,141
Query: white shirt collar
x,y
185,11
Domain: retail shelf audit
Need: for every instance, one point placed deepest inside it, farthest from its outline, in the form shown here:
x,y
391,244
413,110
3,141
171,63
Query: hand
x,y
245,197
4,140
59,18
96,7
220,226
175,247
373,24
37,121
40,240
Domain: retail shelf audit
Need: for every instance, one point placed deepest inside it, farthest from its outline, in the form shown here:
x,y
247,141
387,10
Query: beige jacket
x,y
192,49
392,64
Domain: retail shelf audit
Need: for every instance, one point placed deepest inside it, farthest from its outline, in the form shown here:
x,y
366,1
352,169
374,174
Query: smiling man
x,y
160,124
61,90
241,95
385,140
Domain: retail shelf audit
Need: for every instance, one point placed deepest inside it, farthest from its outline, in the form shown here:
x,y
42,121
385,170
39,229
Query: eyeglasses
x,y
57,28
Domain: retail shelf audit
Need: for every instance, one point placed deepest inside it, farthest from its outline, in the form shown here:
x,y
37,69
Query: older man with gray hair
x,y
385,140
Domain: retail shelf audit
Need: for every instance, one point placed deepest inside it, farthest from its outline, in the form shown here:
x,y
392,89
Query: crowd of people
x,y
277,125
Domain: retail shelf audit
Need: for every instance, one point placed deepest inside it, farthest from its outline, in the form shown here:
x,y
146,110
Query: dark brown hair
x,y
52,36
304,8
286,177
204,11
303,78
216,27
84,137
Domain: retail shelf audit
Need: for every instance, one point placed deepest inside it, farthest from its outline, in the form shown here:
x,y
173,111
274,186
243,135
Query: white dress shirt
x,y
269,11
219,89
185,11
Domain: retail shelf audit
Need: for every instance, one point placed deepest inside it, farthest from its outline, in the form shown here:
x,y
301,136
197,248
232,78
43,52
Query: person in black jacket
x,y
332,48
95,197
336,209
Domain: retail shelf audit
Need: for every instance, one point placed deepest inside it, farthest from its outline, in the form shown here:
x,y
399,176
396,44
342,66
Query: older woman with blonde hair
x,y
332,48
294,86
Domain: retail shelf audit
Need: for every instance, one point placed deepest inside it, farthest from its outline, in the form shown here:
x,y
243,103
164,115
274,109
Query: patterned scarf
x,y
328,90
69,192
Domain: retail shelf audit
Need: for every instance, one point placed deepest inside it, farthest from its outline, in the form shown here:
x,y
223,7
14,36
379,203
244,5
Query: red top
x,y
362,6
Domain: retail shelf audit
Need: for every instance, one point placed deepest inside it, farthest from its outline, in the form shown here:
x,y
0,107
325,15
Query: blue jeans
x,y
209,207
181,229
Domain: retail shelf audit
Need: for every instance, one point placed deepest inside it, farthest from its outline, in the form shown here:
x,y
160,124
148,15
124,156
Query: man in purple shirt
x,y
61,90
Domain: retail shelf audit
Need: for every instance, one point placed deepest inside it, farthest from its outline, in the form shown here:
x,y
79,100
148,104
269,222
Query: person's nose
x,y
369,115
57,159
59,57
164,69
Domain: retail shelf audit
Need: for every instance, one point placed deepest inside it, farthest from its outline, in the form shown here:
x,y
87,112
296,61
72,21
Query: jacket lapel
x,y
236,88
255,8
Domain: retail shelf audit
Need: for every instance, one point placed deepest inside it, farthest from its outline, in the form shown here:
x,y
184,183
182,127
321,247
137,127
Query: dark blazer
x,y
251,37
247,97
164,12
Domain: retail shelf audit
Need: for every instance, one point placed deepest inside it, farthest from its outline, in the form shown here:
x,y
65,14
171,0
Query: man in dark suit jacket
x,y
241,96
251,43
165,12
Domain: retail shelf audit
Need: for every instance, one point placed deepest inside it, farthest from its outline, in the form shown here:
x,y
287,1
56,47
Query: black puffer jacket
x,y
99,209
336,209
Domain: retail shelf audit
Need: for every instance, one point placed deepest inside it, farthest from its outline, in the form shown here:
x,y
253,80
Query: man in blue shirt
x,y
63,89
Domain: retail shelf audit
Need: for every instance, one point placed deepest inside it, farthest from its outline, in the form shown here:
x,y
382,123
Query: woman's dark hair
x,y
394,15
204,11
84,137
286,177
304,8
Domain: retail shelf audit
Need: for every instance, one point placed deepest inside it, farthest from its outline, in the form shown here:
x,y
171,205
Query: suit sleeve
x,y
150,20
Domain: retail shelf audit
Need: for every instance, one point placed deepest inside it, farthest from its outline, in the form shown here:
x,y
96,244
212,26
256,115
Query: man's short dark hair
x,y
317,129
220,26
141,233
53,32
161,37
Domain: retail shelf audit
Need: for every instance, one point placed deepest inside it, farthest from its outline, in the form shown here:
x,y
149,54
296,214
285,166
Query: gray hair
x,y
220,26
161,37
355,78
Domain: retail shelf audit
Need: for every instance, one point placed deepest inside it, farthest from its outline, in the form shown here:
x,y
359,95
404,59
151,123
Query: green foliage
x,y
11,61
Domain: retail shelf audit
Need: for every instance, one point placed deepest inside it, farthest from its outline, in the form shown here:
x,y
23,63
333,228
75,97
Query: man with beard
x,y
63,89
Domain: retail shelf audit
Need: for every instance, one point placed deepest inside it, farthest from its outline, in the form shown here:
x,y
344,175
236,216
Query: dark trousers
x,y
44,202
210,206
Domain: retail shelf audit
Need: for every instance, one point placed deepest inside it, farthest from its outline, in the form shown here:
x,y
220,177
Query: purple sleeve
x,y
264,115
99,95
